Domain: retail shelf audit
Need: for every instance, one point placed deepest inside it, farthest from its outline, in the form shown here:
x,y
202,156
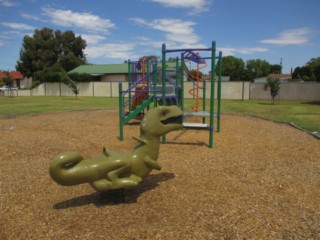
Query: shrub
x,y
274,85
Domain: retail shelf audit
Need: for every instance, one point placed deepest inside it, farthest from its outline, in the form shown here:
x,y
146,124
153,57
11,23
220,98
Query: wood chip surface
x,y
261,181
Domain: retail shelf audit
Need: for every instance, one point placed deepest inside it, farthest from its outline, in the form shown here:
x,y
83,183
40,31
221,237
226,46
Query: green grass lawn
x,y
303,114
17,106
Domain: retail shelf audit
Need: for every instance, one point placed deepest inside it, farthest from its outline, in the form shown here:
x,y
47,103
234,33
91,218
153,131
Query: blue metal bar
x,y
189,49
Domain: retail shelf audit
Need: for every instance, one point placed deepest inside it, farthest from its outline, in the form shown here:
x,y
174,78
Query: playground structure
x,y
150,83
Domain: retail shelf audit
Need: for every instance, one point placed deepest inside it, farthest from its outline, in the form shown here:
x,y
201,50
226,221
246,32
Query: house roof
x,y
281,77
101,69
14,75
274,75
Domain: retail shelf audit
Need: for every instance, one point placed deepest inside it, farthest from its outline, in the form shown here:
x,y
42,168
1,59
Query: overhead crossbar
x,y
188,49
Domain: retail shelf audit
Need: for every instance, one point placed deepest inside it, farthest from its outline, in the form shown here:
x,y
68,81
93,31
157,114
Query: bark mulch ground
x,y
261,181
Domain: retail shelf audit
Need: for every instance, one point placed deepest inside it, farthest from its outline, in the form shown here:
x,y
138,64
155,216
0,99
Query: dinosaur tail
x,y
62,168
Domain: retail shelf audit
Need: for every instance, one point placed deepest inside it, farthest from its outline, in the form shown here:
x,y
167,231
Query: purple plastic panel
x,y
191,56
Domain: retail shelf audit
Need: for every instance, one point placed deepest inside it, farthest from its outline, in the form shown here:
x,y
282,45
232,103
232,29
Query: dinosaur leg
x,y
118,182
151,163
101,185
107,183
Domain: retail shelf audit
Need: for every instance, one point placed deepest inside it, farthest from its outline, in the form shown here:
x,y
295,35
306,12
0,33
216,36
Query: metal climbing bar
x,y
212,90
154,85
142,79
188,49
191,55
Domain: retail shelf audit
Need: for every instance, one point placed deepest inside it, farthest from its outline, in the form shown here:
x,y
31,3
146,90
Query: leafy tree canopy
x,y
233,67
239,71
151,57
304,73
258,68
276,69
195,75
314,64
48,51
309,72
7,80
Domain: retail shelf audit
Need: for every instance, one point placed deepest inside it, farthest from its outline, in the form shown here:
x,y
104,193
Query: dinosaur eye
x,y
165,112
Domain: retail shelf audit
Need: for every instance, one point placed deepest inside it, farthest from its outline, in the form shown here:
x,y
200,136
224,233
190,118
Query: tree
x,y
171,59
258,68
275,68
316,72
314,65
304,73
274,85
195,75
53,73
71,84
233,67
7,80
48,51
152,58
309,72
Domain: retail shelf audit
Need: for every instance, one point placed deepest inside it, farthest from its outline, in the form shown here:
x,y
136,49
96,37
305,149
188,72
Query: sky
x,y
278,31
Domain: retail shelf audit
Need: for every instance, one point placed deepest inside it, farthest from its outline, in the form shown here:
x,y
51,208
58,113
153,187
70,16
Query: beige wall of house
x,y
114,78
24,83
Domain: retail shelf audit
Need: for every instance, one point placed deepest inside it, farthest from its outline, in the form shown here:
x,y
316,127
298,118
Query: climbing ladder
x,y
144,88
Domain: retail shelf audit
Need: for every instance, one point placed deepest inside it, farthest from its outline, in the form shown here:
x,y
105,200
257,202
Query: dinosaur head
x,y
161,120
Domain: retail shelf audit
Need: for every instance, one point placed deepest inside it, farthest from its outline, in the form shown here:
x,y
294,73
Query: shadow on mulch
x,y
180,135
121,196
189,143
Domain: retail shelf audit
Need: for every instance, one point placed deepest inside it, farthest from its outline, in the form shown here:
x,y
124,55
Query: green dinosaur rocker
x,y
112,170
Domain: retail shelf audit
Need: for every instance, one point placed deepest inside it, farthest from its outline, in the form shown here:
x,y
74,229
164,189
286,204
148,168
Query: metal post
x,y
177,82
130,81
148,82
182,82
155,80
148,78
242,90
212,90
204,96
163,81
219,92
120,112
163,74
